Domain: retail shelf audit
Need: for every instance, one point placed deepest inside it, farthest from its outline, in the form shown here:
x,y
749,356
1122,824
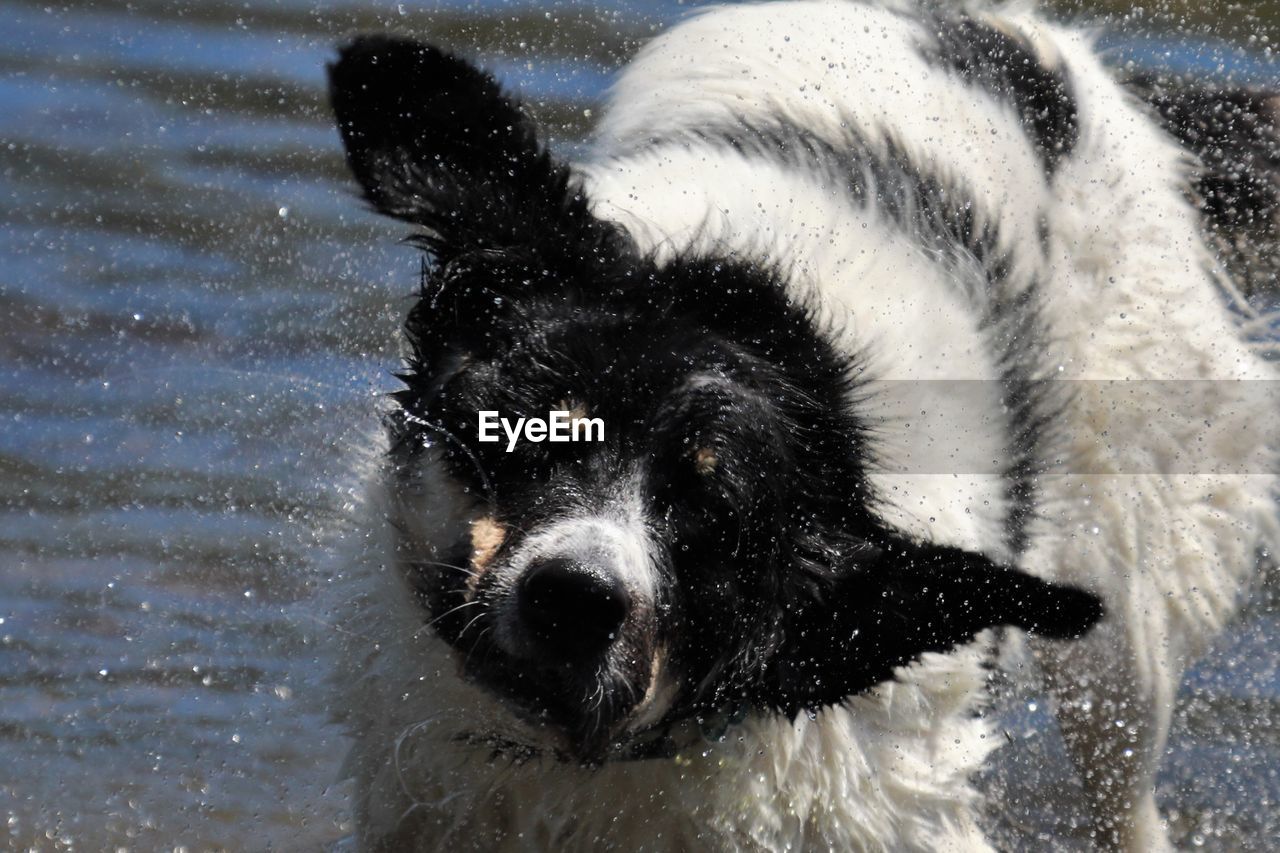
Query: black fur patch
x,y
870,621
1006,66
1234,132
434,141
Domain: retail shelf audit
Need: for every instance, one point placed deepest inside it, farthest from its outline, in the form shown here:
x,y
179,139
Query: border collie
x,y
847,285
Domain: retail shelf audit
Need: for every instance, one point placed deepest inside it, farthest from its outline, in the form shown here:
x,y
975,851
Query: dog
x,y
858,294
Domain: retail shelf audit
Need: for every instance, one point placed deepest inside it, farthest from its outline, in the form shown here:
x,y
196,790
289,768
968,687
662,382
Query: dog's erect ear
x,y
901,600
434,141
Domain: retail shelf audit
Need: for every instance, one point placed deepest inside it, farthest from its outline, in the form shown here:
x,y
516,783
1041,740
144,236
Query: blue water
x,y
194,310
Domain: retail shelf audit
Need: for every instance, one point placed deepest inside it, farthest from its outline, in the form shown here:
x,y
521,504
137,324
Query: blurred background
x,y
194,313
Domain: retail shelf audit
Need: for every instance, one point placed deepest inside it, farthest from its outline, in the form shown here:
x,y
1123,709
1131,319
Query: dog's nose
x,y
573,609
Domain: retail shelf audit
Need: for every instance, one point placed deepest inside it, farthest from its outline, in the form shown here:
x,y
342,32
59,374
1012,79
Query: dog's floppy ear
x,y
433,141
899,600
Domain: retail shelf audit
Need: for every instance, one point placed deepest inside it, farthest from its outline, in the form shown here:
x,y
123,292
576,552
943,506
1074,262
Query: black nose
x,y
571,609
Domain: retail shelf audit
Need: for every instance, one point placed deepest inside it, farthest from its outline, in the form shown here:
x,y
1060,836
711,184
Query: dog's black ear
x,y
433,141
900,600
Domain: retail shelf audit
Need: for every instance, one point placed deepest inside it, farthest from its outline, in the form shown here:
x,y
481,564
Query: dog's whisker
x,y
470,572
474,645
476,619
448,612
404,734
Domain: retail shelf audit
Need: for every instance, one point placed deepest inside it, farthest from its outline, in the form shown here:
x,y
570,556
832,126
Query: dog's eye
x,y
576,408
705,461
695,481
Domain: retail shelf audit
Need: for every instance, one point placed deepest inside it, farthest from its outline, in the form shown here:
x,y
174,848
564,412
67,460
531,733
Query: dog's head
x,y
717,547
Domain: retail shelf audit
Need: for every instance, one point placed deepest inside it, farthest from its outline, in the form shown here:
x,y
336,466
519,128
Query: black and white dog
x,y
824,281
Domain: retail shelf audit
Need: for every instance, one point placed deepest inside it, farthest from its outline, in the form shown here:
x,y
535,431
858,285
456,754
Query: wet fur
x,y
759,245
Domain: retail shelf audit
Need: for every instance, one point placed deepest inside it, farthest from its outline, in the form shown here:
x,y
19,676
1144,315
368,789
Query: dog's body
x,y
957,211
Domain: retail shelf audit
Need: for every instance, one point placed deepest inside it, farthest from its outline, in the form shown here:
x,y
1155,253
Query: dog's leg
x,y
1114,705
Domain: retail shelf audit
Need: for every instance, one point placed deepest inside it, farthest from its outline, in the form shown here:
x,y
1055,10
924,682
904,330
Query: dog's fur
x,y
824,276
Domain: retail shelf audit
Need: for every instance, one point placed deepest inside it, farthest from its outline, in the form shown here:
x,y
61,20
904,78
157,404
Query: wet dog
x,y
820,282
